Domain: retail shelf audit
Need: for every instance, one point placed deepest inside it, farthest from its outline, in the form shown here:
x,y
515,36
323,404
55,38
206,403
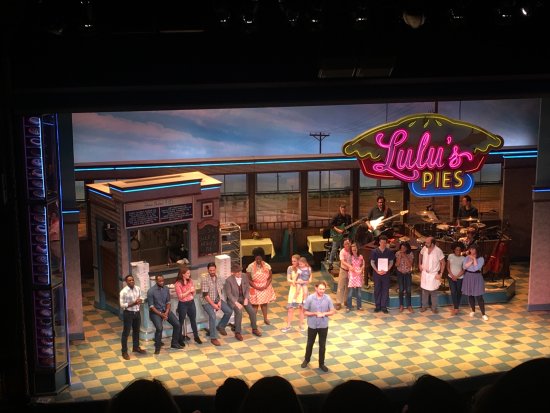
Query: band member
x,y
466,210
130,301
431,264
379,211
340,220
381,261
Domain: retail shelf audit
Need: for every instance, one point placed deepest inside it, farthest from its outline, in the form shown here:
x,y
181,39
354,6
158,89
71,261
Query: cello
x,y
496,259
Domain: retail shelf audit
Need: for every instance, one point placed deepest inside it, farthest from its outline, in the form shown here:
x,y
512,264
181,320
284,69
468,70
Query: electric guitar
x,y
337,236
375,223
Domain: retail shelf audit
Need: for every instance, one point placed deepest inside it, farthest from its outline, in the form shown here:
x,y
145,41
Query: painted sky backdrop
x,y
227,133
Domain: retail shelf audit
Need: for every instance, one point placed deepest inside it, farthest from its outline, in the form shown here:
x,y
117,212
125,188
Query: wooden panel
x,y
109,272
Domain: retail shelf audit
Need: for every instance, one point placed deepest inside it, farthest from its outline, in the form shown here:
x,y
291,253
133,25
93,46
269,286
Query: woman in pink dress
x,y
261,288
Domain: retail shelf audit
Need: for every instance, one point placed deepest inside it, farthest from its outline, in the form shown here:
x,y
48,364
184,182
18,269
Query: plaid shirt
x,y
213,286
128,296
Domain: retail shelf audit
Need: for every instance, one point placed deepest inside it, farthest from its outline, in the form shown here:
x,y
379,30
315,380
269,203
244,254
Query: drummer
x,y
466,210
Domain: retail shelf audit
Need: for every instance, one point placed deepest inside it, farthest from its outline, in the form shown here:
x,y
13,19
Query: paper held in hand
x,y
382,264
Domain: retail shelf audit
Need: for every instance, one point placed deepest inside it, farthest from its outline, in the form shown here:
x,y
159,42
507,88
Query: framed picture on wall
x,y
207,211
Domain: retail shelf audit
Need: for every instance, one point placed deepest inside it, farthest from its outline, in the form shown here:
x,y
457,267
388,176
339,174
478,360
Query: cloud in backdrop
x,y
227,133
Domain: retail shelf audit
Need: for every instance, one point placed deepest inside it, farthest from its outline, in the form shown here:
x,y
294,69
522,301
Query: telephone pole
x,y
320,136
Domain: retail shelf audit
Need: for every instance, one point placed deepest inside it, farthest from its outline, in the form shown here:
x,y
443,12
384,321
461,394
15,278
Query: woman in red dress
x,y
261,288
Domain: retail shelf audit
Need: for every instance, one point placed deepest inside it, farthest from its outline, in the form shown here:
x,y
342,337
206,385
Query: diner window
x,y
234,198
370,189
278,197
326,191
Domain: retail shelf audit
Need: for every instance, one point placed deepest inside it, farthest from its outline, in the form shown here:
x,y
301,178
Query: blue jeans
x,y
336,245
404,280
354,292
157,322
227,311
456,292
187,308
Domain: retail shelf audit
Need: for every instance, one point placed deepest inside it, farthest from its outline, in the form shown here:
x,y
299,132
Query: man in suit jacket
x,y
237,290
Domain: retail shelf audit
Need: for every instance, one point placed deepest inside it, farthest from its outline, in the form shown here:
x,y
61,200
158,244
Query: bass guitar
x,y
337,236
375,223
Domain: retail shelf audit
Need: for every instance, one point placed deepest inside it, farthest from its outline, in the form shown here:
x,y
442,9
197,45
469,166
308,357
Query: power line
x,y
320,136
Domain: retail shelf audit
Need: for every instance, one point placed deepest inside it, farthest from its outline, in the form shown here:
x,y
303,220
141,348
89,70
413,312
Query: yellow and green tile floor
x,y
387,350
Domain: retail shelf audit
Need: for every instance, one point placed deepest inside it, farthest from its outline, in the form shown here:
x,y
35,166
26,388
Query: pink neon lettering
x,y
398,160
455,158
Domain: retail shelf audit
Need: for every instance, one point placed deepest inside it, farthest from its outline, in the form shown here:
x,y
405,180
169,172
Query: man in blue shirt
x,y
158,297
318,308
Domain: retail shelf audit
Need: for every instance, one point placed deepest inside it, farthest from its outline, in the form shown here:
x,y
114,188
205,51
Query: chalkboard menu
x,y
158,215
208,238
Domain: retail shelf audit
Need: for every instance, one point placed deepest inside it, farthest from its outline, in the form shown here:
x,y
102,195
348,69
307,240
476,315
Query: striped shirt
x,y
128,296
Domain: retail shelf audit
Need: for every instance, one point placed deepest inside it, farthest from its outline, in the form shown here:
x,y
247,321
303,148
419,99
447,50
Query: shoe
x,y
198,340
401,308
187,338
360,309
267,322
176,346
303,329
216,342
377,310
348,310
221,330
161,344
472,313
239,336
423,309
125,356
157,351
324,368
232,326
485,318
139,350
385,311
256,332
338,306
330,267
410,309
284,330
304,364
435,310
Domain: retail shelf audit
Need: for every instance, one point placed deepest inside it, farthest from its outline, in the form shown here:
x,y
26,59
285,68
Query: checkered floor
x,y
387,350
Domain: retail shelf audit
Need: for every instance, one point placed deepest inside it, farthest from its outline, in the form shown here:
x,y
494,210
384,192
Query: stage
x,y
388,350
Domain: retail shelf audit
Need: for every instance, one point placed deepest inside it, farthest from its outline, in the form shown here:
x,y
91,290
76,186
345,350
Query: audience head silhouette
x,y
521,389
230,395
271,394
344,396
143,395
431,394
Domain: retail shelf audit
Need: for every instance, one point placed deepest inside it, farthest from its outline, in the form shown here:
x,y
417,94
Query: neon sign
x,y
434,154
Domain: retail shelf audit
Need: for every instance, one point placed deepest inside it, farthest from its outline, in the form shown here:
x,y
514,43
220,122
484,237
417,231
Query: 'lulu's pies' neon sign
x,y
434,154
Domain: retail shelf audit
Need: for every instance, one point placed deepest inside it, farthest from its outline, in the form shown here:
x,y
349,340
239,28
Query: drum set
x,y
432,226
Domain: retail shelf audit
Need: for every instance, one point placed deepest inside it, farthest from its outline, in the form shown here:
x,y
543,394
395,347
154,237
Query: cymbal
x,y
404,239
431,220
469,219
422,213
478,225
421,240
443,227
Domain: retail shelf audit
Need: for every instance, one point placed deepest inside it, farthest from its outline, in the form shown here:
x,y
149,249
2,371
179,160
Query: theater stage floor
x,y
385,349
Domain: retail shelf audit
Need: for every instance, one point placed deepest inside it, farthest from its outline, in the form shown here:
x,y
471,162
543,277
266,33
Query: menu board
x,y
160,214
208,238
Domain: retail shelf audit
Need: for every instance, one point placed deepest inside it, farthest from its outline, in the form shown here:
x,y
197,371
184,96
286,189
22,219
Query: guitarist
x,y
338,222
379,211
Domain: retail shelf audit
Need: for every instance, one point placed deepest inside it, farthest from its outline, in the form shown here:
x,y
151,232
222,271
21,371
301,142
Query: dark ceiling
x,y
351,49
